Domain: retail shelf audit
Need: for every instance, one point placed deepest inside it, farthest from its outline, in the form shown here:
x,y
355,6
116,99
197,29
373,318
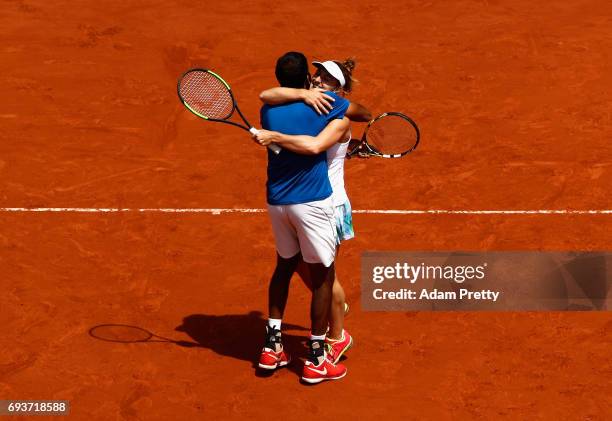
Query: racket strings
x,y
206,95
391,134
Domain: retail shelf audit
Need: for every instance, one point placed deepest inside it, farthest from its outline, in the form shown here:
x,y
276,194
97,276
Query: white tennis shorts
x,y
308,228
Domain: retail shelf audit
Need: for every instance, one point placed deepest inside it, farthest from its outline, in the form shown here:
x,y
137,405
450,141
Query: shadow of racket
x,y
127,334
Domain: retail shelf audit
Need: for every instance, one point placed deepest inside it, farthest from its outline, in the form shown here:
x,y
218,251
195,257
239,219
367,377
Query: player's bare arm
x,y
357,112
308,145
316,97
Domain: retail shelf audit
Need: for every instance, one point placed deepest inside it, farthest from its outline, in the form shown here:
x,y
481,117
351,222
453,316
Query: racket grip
x,y
272,146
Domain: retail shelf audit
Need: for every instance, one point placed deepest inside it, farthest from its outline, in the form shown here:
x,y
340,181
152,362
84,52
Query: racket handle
x,y
272,146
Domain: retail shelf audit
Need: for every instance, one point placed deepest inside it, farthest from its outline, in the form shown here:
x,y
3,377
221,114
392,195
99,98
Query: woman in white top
x,y
332,76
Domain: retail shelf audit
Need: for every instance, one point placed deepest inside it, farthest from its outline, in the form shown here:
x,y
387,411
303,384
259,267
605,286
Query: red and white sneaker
x,y
325,371
271,360
337,348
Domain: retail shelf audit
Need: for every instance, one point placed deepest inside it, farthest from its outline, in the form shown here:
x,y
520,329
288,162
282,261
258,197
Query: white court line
x,y
218,211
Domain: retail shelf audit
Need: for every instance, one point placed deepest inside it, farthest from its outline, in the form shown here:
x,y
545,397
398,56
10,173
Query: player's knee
x,y
337,295
287,263
337,298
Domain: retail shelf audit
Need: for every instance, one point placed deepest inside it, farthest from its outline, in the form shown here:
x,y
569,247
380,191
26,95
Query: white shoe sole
x,y
315,381
274,367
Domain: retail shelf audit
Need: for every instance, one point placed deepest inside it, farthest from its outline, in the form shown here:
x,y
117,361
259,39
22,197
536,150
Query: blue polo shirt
x,y
294,178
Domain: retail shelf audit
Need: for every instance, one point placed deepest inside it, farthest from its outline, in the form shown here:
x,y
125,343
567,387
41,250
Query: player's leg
x,y
278,290
319,367
338,339
322,278
316,236
287,248
316,233
302,270
339,307
336,316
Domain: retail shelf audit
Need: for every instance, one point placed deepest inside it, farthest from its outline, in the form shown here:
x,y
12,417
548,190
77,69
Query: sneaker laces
x,y
329,350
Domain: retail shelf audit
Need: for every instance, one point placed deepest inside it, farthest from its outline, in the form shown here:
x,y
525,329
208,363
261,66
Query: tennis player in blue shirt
x,y
301,212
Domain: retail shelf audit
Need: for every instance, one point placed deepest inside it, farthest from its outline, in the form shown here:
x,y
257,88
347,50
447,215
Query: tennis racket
x,y
390,135
207,95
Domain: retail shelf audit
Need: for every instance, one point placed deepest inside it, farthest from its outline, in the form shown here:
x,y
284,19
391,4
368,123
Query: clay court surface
x,y
513,100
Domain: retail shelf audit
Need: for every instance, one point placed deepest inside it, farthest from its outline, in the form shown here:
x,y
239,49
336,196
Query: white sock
x,y
317,337
275,323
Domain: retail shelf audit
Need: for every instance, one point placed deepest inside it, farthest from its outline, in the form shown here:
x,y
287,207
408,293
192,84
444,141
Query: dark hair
x,y
347,66
292,70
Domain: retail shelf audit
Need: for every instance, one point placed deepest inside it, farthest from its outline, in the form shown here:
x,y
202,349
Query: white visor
x,y
333,69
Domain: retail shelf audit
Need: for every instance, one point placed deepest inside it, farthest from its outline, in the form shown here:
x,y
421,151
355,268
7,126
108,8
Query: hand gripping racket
x,y
208,96
390,135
